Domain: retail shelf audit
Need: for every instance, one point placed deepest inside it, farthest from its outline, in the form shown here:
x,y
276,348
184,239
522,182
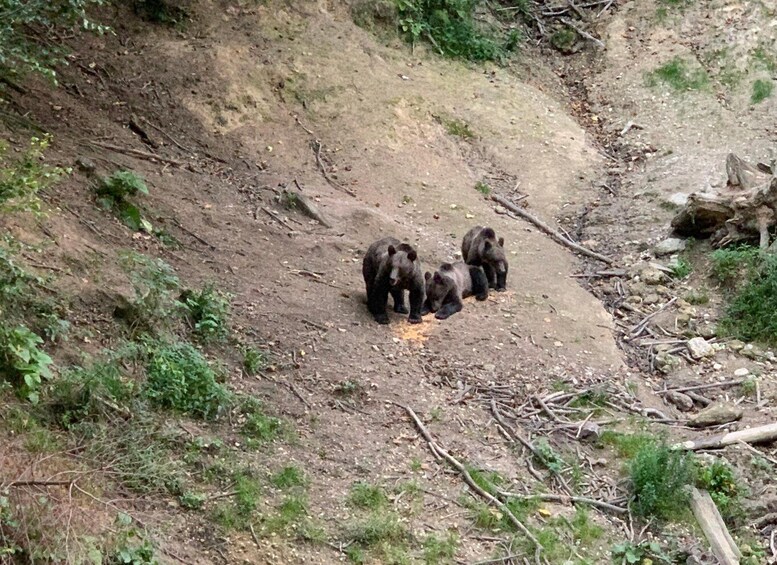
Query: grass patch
x,y
626,445
288,477
750,314
377,528
660,477
697,297
762,89
679,76
258,427
179,378
440,549
731,263
458,128
254,360
238,512
365,495
293,511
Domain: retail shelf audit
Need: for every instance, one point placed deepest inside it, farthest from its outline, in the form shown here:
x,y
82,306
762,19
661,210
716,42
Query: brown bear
x,y
449,284
391,267
481,248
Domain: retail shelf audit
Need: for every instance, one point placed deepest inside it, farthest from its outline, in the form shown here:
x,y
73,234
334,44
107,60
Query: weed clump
x,y
114,193
24,177
762,89
254,360
179,378
750,315
660,477
154,283
719,480
22,362
208,313
730,263
365,495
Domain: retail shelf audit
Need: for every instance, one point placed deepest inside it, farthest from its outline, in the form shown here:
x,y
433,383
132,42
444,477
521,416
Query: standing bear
x,y
449,284
391,267
481,248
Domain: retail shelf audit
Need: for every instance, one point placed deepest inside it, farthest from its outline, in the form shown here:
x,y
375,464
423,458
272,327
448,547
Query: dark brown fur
x,y
481,248
450,284
391,267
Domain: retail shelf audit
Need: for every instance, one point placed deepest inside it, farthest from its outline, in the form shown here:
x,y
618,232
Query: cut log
x,y
759,434
711,522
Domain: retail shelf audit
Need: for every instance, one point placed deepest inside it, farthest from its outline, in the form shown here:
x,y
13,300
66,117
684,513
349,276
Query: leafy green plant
x,y
660,477
750,314
153,282
22,26
8,547
258,426
483,188
450,27
254,360
22,178
681,268
563,39
208,312
720,481
762,89
22,362
114,193
730,263
547,456
179,378
192,500
643,552
679,76
142,554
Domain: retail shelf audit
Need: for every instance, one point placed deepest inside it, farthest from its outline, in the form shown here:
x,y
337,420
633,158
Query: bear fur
x,y
481,248
391,267
449,284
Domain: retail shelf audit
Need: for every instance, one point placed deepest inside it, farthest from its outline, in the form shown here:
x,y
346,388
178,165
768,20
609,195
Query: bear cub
x,y
481,248
391,267
449,284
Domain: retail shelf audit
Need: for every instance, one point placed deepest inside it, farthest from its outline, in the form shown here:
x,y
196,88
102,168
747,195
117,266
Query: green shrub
x,y
483,188
208,312
750,315
365,495
114,193
643,552
22,26
22,178
660,477
258,426
762,89
450,27
439,550
730,263
153,281
289,476
719,480
179,378
22,362
254,360
681,269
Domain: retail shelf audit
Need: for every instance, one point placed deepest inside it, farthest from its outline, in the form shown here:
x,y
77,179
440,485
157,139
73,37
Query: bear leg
x,y
399,300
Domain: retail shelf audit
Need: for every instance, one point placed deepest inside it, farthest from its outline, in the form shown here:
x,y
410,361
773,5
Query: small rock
x,y
707,331
699,348
736,345
489,367
589,430
652,276
500,210
678,199
743,372
669,246
635,300
716,414
666,362
750,351
682,401
86,165
651,299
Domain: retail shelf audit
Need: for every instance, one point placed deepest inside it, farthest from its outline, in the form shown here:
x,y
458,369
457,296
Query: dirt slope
x,y
233,103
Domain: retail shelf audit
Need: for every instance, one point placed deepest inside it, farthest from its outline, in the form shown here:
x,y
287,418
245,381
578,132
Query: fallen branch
x,y
277,218
564,498
583,33
752,435
137,153
317,146
732,382
491,499
550,231
708,516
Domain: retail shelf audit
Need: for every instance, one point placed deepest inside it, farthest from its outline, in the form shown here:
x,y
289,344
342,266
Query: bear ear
x,y
437,278
412,255
501,242
391,250
427,275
